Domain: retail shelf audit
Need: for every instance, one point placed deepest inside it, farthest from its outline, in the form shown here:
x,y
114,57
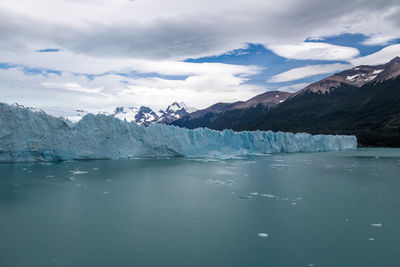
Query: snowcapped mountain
x,y
124,113
174,111
141,115
146,116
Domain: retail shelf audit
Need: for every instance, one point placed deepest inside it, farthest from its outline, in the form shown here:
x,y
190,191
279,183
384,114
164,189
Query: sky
x,y
99,54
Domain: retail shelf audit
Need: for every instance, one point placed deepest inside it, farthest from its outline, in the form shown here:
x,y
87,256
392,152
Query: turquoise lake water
x,y
300,209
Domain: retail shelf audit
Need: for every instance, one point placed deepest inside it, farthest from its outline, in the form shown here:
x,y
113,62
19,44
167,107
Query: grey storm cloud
x,y
195,35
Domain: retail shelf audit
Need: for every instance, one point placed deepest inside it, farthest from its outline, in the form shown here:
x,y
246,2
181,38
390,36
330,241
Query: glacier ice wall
x,y
26,135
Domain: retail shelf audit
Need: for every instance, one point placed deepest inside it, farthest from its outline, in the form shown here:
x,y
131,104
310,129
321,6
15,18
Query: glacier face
x,y
26,135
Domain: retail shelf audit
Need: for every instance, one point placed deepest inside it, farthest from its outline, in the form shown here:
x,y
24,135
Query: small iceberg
x,y
216,181
77,172
263,235
376,225
245,197
267,195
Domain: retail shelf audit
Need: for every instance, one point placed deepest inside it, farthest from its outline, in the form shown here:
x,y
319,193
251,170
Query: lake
x,y
300,209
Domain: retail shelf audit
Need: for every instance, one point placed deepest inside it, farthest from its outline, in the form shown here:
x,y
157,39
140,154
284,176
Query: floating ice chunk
x,y
376,224
71,178
311,265
105,192
263,235
293,203
76,172
299,198
267,195
254,193
49,176
216,181
16,184
95,169
108,180
371,239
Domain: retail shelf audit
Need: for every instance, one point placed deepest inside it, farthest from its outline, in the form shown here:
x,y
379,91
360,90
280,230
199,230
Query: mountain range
x,y
362,101
141,115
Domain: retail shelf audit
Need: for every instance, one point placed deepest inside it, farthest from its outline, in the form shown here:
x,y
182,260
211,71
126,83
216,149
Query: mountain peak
x,y
357,76
395,60
392,70
177,106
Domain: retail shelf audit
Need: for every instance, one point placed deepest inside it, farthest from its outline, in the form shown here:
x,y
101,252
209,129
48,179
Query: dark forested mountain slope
x,y
363,101
233,113
371,112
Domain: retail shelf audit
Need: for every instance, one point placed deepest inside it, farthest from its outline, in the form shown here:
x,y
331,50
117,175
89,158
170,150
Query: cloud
x,y
316,51
292,88
179,29
307,71
382,56
70,62
104,92
72,87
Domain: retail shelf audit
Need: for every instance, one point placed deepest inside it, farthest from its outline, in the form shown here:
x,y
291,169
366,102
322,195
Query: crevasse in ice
x,y
26,135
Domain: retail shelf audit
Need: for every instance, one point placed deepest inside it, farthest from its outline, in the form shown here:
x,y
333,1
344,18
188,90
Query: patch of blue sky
x,y
307,80
257,54
39,71
353,40
6,66
29,71
48,50
134,75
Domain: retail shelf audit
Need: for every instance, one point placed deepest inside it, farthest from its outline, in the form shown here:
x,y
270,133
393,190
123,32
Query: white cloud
x,y
292,88
70,62
307,71
316,51
72,87
179,29
382,56
107,91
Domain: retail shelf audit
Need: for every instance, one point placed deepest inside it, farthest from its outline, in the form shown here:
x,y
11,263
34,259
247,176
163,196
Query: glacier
x,y
28,135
